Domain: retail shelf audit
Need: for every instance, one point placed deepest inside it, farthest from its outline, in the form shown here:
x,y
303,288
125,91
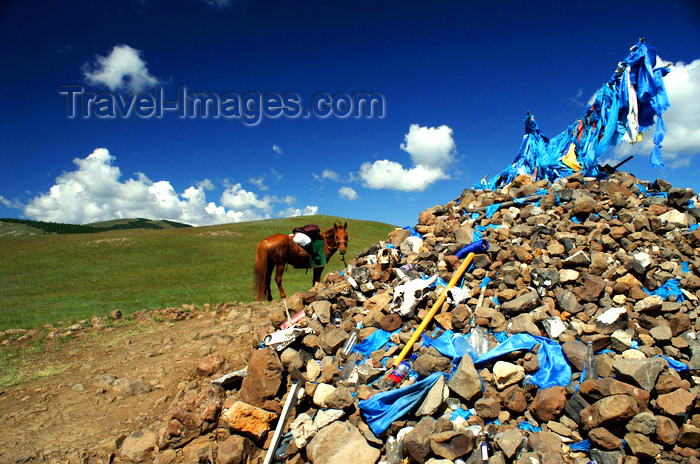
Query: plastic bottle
x,y
590,369
348,369
337,318
400,372
484,452
351,341
394,450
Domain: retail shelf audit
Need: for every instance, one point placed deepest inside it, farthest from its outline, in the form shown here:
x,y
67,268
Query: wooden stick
x,y
441,299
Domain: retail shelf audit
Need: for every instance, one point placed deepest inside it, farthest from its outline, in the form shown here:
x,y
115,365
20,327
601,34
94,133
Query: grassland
x,y
59,279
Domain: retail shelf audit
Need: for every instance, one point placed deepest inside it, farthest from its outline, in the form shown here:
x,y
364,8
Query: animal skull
x,y
408,295
388,256
458,295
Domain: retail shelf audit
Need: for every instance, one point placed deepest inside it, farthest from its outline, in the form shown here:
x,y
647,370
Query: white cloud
x,y
329,174
430,146
258,182
385,174
94,192
122,69
238,198
682,120
276,148
206,184
10,204
348,193
432,150
307,211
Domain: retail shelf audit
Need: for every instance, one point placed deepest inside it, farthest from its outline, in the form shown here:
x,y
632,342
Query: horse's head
x,y
341,237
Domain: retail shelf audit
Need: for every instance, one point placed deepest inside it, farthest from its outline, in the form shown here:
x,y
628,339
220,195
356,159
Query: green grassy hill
x,y
13,226
63,278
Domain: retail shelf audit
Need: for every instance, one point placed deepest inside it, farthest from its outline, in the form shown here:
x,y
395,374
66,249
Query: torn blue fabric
x,y
478,231
528,427
491,209
554,369
374,342
384,408
666,290
583,445
463,413
677,365
616,114
413,231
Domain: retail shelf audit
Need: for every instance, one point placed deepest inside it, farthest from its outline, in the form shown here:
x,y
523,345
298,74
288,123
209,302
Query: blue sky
x,y
456,79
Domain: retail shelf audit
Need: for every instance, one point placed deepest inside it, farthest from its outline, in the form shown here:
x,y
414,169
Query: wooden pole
x,y
441,299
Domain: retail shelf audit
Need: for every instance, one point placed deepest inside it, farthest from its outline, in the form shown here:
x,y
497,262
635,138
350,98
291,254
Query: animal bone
x,y
408,295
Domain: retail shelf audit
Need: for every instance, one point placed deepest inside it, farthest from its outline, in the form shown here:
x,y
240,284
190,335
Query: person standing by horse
x,y
279,250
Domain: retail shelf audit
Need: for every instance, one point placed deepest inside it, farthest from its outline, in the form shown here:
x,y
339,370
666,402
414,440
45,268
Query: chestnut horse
x,y
279,250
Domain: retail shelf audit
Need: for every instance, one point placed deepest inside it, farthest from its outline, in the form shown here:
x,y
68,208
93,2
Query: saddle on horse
x,y
313,246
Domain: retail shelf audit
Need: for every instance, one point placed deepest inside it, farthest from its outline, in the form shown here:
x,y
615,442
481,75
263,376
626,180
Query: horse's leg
x,y
317,275
268,279
278,279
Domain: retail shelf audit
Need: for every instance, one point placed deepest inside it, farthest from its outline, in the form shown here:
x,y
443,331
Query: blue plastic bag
x,y
374,342
384,408
554,369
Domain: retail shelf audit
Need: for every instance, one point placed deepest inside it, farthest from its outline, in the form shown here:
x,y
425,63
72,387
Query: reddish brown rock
x,y
209,365
548,403
601,388
666,430
602,438
197,413
667,383
264,377
609,410
234,450
488,408
513,399
689,435
676,403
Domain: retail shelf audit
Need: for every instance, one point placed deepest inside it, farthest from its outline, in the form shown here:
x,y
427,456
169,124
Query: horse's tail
x,y
260,271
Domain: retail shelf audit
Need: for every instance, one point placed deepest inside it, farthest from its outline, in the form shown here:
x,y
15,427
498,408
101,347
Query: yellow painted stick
x,y
441,299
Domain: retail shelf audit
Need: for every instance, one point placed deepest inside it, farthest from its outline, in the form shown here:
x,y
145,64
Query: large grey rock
x,y
509,441
607,457
522,323
341,442
322,309
417,441
640,372
521,304
435,398
427,364
452,444
575,352
644,423
465,382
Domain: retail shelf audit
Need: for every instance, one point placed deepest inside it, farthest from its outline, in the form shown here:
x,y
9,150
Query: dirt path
x,y
76,414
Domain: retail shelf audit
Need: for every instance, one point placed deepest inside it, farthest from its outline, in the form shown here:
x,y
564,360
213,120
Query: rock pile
x,y
582,265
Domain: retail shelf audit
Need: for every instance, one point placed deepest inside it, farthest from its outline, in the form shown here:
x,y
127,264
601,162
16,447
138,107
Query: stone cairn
x,y
580,261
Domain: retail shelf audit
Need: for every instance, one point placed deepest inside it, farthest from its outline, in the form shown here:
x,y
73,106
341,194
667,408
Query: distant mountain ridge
x,y
33,227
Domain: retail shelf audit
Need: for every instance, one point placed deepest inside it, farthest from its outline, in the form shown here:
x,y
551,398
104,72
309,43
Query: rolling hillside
x,y
15,227
51,278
